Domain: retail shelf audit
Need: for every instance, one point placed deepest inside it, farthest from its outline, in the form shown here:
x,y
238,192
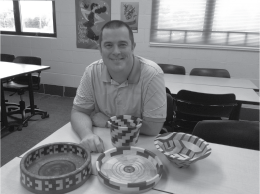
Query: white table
x,y
9,70
243,95
211,81
228,170
10,174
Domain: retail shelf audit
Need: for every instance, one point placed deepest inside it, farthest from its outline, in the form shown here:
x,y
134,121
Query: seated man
x,y
119,84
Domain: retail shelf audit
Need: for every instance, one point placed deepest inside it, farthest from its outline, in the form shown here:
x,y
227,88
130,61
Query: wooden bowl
x,y
129,169
182,149
124,130
55,168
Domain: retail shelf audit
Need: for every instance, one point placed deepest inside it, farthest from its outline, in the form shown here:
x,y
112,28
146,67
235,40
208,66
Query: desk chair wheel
x,y
11,128
45,115
20,127
11,109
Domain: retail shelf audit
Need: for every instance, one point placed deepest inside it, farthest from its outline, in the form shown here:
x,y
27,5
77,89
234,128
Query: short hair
x,y
115,24
93,5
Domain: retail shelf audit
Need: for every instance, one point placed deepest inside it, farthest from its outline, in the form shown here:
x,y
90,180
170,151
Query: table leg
x,y
236,112
31,94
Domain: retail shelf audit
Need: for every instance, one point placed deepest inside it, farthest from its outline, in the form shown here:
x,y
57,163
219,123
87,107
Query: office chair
x,y
210,72
7,57
172,69
19,85
243,134
192,107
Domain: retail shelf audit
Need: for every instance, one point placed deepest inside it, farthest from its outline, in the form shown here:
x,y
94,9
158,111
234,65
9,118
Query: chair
x,y
243,134
19,84
7,57
192,107
210,72
172,69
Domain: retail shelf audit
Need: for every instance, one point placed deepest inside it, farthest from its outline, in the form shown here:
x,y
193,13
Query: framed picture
x,y
129,14
91,15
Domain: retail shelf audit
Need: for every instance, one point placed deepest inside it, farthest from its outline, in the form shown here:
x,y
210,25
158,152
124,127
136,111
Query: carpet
x,y
18,142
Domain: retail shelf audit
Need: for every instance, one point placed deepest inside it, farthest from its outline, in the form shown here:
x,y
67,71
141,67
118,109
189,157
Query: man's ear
x,y
133,46
99,48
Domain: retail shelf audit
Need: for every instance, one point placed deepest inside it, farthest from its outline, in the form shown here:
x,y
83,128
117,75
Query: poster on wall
x,y
91,15
129,14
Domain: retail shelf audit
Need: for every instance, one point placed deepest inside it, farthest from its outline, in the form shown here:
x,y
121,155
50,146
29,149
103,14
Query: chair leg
x,y
18,110
38,111
22,109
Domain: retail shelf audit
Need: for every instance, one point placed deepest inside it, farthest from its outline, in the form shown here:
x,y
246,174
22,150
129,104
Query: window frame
x,y
210,6
17,21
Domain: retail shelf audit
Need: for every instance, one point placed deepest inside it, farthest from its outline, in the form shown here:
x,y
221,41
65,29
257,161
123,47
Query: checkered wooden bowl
x,y
124,130
129,169
55,168
182,149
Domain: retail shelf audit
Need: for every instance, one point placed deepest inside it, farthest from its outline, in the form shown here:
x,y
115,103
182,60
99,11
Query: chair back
x,y
243,134
169,117
192,107
23,78
7,57
172,69
210,72
28,60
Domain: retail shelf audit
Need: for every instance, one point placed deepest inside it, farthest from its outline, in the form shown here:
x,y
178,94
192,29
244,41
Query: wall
x,y
68,62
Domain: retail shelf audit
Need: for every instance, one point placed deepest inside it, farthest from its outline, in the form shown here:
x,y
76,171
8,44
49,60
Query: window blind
x,y
222,24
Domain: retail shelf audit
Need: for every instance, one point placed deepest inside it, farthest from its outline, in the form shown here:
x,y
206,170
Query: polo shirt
x,y
142,94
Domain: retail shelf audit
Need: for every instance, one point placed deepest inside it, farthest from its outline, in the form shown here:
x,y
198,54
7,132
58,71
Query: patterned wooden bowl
x,y
55,168
181,148
129,169
124,130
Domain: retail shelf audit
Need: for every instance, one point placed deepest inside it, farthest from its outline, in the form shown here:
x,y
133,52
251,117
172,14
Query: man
x,y
120,83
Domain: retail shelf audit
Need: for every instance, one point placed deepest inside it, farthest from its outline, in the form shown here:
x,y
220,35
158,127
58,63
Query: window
x,y
31,18
221,24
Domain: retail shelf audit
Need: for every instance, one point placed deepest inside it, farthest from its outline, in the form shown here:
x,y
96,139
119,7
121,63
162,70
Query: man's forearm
x,y
151,128
81,123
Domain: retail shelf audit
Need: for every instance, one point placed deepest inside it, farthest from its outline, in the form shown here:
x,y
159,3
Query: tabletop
x,y
8,69
11,184
227,170
245,96
211,81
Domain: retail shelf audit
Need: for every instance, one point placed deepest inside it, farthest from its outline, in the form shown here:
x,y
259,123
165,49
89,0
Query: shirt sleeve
x,y
84,98
155,104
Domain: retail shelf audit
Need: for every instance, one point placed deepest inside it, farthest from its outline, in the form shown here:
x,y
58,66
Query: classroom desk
x,y
228,170
243,96
9,70
11,184
211,81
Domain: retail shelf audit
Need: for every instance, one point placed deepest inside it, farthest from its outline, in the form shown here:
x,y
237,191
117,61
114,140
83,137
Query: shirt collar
x,y
133,77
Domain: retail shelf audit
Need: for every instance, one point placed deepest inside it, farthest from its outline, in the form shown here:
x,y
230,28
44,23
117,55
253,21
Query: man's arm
x,y
82,125
151,128
155,106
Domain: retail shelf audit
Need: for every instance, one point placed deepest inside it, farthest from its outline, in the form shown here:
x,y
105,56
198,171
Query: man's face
x,y
116,49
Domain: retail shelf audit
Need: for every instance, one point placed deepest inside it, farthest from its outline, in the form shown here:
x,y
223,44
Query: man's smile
x,y
117,59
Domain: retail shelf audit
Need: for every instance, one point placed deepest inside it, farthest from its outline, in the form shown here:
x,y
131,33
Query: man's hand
x,y
93,143
99,119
